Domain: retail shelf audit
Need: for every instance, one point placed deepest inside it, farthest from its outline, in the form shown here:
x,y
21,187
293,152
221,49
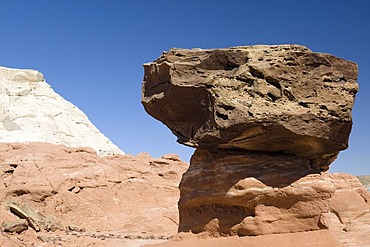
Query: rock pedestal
x,y
266,122
229,192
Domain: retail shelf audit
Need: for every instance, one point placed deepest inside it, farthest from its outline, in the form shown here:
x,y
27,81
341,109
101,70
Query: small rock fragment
x,y
36,220
18,226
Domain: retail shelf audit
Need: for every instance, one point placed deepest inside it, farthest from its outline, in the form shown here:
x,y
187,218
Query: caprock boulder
x,y
266,122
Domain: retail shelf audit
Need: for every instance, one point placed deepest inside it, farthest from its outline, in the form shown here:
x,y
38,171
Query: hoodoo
x,y
266,122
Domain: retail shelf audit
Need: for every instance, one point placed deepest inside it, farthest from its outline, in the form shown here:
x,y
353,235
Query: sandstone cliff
x,y
30,111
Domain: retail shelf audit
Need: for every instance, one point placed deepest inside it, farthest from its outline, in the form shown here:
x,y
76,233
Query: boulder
x,y
266,122
262,98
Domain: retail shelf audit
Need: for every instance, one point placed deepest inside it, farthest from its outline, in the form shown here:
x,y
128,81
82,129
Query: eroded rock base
x,y
228,192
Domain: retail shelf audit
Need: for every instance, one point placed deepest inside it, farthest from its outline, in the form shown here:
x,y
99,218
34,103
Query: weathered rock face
x,y
266,122
262,98
30,111
254,193
249,193
54,195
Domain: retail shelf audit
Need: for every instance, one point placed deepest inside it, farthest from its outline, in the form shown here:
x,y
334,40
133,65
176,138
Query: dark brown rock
x,y
261,98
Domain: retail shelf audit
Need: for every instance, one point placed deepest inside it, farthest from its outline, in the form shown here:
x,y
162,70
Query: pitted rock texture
x,y
30,111
282,98
73,197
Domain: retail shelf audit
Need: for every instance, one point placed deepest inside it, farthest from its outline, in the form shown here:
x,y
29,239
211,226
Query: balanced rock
x,y
30,111
263,98
266,122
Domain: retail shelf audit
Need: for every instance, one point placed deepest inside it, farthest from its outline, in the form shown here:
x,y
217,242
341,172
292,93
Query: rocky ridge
x,y
30,111
266,122
53,195
63,183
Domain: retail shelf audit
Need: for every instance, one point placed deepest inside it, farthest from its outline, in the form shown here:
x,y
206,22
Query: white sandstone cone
x,y
30,111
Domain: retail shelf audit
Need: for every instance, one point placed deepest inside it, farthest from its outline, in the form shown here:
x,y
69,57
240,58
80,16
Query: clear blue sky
x,y
92,52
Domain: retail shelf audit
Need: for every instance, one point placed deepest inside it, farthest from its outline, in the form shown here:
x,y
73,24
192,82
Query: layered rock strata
x,y
53,195
30,111
267,121
244,193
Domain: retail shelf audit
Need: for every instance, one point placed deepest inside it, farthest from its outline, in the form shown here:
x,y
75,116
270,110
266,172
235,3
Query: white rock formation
x,y
30,111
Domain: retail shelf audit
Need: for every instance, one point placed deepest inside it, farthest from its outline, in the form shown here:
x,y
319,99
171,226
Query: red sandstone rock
x,y
266,121
225,193
103,200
